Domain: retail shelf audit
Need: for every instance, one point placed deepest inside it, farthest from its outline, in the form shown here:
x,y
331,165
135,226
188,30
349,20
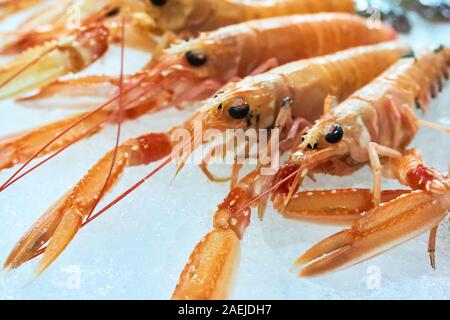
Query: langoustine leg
x,y
400,218
389,224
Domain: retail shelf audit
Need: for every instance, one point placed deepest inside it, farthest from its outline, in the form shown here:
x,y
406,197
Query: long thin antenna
x,y
435,126
37,153
33,61
92,217
26,66
84,135
139,183
125,193
119,116
76,123
268,191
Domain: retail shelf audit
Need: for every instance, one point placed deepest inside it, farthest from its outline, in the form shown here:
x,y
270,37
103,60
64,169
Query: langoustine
x,y
48,54
381,219
237,106
147,17
212,265
187,72
375,122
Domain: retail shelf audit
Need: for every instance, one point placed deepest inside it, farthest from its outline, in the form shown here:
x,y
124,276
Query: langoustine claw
x,y
389,224
375,122
42,65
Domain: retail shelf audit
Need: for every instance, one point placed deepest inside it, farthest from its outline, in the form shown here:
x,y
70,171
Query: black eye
x,y
196,59
336,134
114,12
158,3
239,112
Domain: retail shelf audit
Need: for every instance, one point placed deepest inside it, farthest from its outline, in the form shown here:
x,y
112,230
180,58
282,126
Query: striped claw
x,y
211,268
61,222
209,273
15,43
380,229
335,207
22,147
78,93
40,66
10,7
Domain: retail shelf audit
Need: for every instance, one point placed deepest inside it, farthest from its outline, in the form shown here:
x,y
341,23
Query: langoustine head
x,y
248,104
326,148
190,70
380,112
